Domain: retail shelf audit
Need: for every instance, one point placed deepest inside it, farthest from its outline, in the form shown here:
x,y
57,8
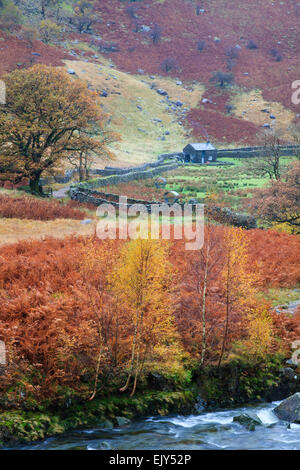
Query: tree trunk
x,y
80,168
34,183
203,352
227,310
134,344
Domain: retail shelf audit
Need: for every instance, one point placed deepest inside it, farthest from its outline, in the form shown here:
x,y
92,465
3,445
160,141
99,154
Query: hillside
x,y
180,44
148,124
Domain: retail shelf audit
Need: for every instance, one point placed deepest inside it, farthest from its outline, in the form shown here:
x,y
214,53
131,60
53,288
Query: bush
x,y
251,45
10,16
222,78
168,65
201,45
156,34
49,31
276,54
232,52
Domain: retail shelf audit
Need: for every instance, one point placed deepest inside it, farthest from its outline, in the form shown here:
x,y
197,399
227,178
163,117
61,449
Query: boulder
x,y
287,374
200,404
249,422
122,421
162,92
293,364
105,424
159,382
289,409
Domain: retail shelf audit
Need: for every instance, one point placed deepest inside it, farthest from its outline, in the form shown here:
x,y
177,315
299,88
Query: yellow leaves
x,y
238,279
141,281
143,268
49,31
260,333
283,227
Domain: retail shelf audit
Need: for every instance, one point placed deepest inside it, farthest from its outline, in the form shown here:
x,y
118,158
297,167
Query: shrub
x,y
276,54
168,65
10,16
251,45
156,34
49,31
201,45
131,11
222,78
232,52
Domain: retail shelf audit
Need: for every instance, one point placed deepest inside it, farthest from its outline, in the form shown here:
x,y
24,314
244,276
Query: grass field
x,y
227,183
138,113
249,106
14,230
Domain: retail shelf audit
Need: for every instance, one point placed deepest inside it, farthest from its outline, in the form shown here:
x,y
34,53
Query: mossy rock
x,y
249,422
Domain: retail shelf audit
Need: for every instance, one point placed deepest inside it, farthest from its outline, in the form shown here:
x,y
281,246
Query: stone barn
x,y
200,153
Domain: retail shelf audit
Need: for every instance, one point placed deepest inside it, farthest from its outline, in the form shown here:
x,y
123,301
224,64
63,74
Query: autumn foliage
x,y
37,209
82,316
279,203
47,117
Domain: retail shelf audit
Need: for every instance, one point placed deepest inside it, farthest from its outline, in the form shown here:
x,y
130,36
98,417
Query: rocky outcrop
x,y
289,409
227,216
288,384
249,422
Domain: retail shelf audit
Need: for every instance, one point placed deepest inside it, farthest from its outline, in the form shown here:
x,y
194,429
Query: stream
x,y
207,430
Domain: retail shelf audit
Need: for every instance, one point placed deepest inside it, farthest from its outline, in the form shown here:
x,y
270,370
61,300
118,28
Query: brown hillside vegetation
x,y
266,62
56,294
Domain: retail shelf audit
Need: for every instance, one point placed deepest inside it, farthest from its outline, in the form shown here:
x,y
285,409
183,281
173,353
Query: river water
x,y
213,430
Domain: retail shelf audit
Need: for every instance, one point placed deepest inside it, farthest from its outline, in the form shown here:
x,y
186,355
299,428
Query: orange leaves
x,y
240,262
47,116
36,209
277,256
73,311
280,202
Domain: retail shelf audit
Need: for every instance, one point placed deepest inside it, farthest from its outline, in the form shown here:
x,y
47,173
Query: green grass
x,y
231,184
280,296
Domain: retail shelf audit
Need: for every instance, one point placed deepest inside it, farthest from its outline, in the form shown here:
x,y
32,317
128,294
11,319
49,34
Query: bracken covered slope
x,y
263,73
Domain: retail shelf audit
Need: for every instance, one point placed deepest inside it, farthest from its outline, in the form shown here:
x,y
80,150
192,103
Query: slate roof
x,y
201,146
